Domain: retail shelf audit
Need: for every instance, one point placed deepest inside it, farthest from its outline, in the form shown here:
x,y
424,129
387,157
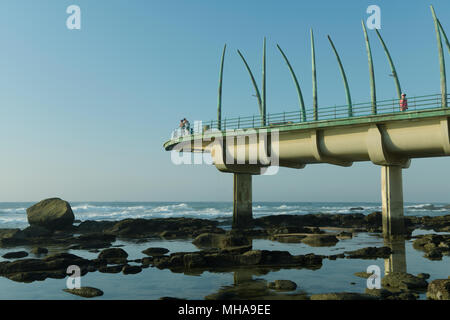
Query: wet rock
x,y
439,289
173,234
10,237
139,228
252,257
406,296
92,241
374,219
52,266
364,275
246,290
85,292
282,285
357,209
434,254
36,232
438,223
127,269
155,251
320,240
434,245
39,250
15,255
147,261
95,237
429,241
63,260
288,238
52,214
336,256
9,233
312,220
405,281
212,260
113,256
90,226
252,233
136,260
214,240
379,293
111,269
289,229
194,260
371,222
369,253
424,276
344,235
343,296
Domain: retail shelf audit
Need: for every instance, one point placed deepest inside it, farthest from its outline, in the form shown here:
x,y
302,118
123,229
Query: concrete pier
x,y
392,201
242,200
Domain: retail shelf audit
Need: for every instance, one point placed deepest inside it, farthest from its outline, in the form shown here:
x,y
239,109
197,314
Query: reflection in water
x,y
246,287
397,260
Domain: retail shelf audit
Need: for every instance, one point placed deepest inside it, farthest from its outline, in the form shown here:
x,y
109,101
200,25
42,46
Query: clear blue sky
x,y
84,114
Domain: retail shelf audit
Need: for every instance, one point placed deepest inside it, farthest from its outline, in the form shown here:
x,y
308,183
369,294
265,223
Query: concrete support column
x,y
242,200
392,200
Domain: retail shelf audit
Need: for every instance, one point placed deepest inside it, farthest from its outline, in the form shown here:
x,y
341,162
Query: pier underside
x,y
390,141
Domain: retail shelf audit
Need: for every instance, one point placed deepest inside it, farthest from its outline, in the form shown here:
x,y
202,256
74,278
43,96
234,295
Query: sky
x,y
84,113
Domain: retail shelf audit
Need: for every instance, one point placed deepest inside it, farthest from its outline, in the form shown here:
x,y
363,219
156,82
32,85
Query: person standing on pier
x,y
403,103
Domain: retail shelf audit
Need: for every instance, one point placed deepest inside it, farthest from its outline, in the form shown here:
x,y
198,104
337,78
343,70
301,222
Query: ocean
x,y
13,214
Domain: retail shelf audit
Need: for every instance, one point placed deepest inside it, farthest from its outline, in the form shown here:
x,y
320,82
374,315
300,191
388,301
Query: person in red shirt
x,y
403,103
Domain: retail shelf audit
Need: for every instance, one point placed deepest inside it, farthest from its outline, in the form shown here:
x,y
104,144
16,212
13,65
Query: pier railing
x,y
391,106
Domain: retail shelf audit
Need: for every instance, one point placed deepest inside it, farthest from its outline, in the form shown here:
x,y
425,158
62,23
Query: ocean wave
x,y
286,207
13,210
14,215
9,219
428,207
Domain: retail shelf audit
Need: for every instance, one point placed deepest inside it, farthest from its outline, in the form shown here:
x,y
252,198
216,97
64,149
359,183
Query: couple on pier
x,y
185,126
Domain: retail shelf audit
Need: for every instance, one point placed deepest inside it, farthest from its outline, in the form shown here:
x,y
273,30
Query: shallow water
x,y
152,283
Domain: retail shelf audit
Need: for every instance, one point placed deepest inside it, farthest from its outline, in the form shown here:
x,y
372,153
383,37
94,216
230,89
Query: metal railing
x,y
384,107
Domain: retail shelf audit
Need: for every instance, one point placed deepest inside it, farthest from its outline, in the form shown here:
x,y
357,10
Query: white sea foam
x,y
15,214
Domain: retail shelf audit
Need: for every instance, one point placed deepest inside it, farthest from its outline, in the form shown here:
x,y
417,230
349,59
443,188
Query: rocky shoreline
x,y
52,224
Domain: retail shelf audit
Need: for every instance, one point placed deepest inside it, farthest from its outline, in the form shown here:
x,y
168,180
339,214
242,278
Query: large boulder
x,y
52,214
